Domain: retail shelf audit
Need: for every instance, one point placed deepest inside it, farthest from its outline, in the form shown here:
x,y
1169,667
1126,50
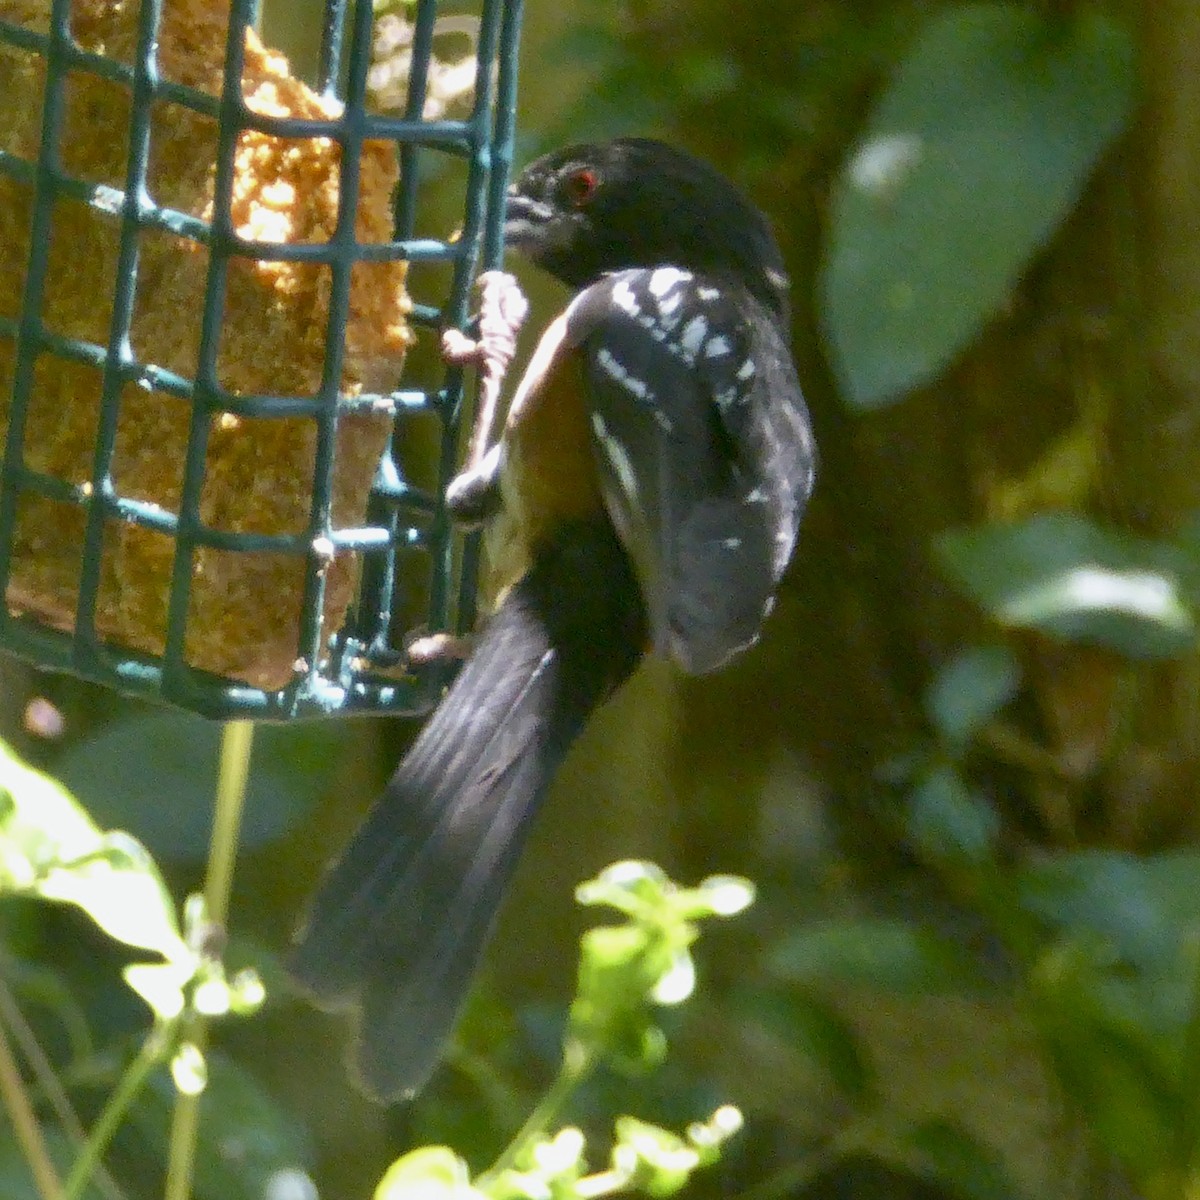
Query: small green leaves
x,y
625,969
971,159
51,848
645,1158
1065,576
660,1162
432,1173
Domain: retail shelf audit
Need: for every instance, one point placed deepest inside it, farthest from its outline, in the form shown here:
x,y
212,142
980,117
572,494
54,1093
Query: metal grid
x,y
347,668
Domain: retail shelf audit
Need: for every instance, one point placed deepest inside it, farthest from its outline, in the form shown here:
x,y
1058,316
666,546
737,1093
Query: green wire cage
x,y
206,494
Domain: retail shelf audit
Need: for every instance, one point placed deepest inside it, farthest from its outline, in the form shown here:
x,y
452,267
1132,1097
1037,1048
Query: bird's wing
x,y
703,447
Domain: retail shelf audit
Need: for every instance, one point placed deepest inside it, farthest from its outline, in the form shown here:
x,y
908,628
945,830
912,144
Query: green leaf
x,y
654,1160
620,968
1111,1070
873,952
155,776
817,1031
970,690
949,822
959,1162
430,1173
1144,908
50,847
625,969
120,888
629,886
971,159
1067,577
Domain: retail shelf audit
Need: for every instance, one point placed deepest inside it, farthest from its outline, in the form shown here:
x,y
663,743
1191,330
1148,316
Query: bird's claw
x,y
437,647
502,311
474,493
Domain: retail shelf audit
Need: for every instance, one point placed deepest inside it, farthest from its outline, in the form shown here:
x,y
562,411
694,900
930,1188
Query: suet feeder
x,y
209,283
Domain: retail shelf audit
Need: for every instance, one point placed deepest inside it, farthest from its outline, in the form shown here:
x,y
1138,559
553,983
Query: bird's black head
x,y
589,209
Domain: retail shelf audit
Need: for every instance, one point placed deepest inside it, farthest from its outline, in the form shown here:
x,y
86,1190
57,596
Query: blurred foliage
x,y
962,764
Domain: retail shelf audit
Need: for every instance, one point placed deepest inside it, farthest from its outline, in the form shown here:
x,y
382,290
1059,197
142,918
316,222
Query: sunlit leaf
x,y
971,159
161,985
432,1173
50,847
189,1069
119,887
658,1160
1066,576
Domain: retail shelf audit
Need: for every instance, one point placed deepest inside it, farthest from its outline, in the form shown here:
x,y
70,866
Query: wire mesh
x,y
409,567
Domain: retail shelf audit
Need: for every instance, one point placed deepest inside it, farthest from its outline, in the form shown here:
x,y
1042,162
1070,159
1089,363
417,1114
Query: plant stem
x,y
109,1121
185,1125
236,740
571,1074
44,1076
25,1124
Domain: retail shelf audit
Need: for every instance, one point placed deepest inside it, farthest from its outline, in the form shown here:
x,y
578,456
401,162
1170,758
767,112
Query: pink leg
x,y
502,310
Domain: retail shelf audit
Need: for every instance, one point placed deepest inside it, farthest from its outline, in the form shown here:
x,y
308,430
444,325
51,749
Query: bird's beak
x,y
525,219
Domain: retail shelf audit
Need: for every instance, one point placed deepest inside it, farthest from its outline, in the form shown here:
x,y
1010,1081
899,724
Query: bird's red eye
x,y
580,186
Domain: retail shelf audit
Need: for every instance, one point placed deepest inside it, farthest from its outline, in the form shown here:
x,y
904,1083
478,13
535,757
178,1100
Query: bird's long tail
x,y
399,923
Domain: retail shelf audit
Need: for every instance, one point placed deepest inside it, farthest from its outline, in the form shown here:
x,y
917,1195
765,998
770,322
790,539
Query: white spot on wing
x,y
617,457
717,346
693,335
665,278
707,293
746,370
624,298
615,371
731,543
668,305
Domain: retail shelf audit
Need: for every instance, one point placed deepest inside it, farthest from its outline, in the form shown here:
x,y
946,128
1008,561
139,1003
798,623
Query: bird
x,y
644,498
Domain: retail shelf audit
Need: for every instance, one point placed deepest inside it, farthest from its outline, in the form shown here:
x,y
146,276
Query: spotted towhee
x,y
644,498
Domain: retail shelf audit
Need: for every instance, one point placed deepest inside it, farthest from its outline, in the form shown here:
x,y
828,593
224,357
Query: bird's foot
x,y
474,493
424,649
502,311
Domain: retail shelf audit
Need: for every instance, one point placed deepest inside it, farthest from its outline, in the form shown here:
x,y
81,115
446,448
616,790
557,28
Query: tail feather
x,y
399,924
